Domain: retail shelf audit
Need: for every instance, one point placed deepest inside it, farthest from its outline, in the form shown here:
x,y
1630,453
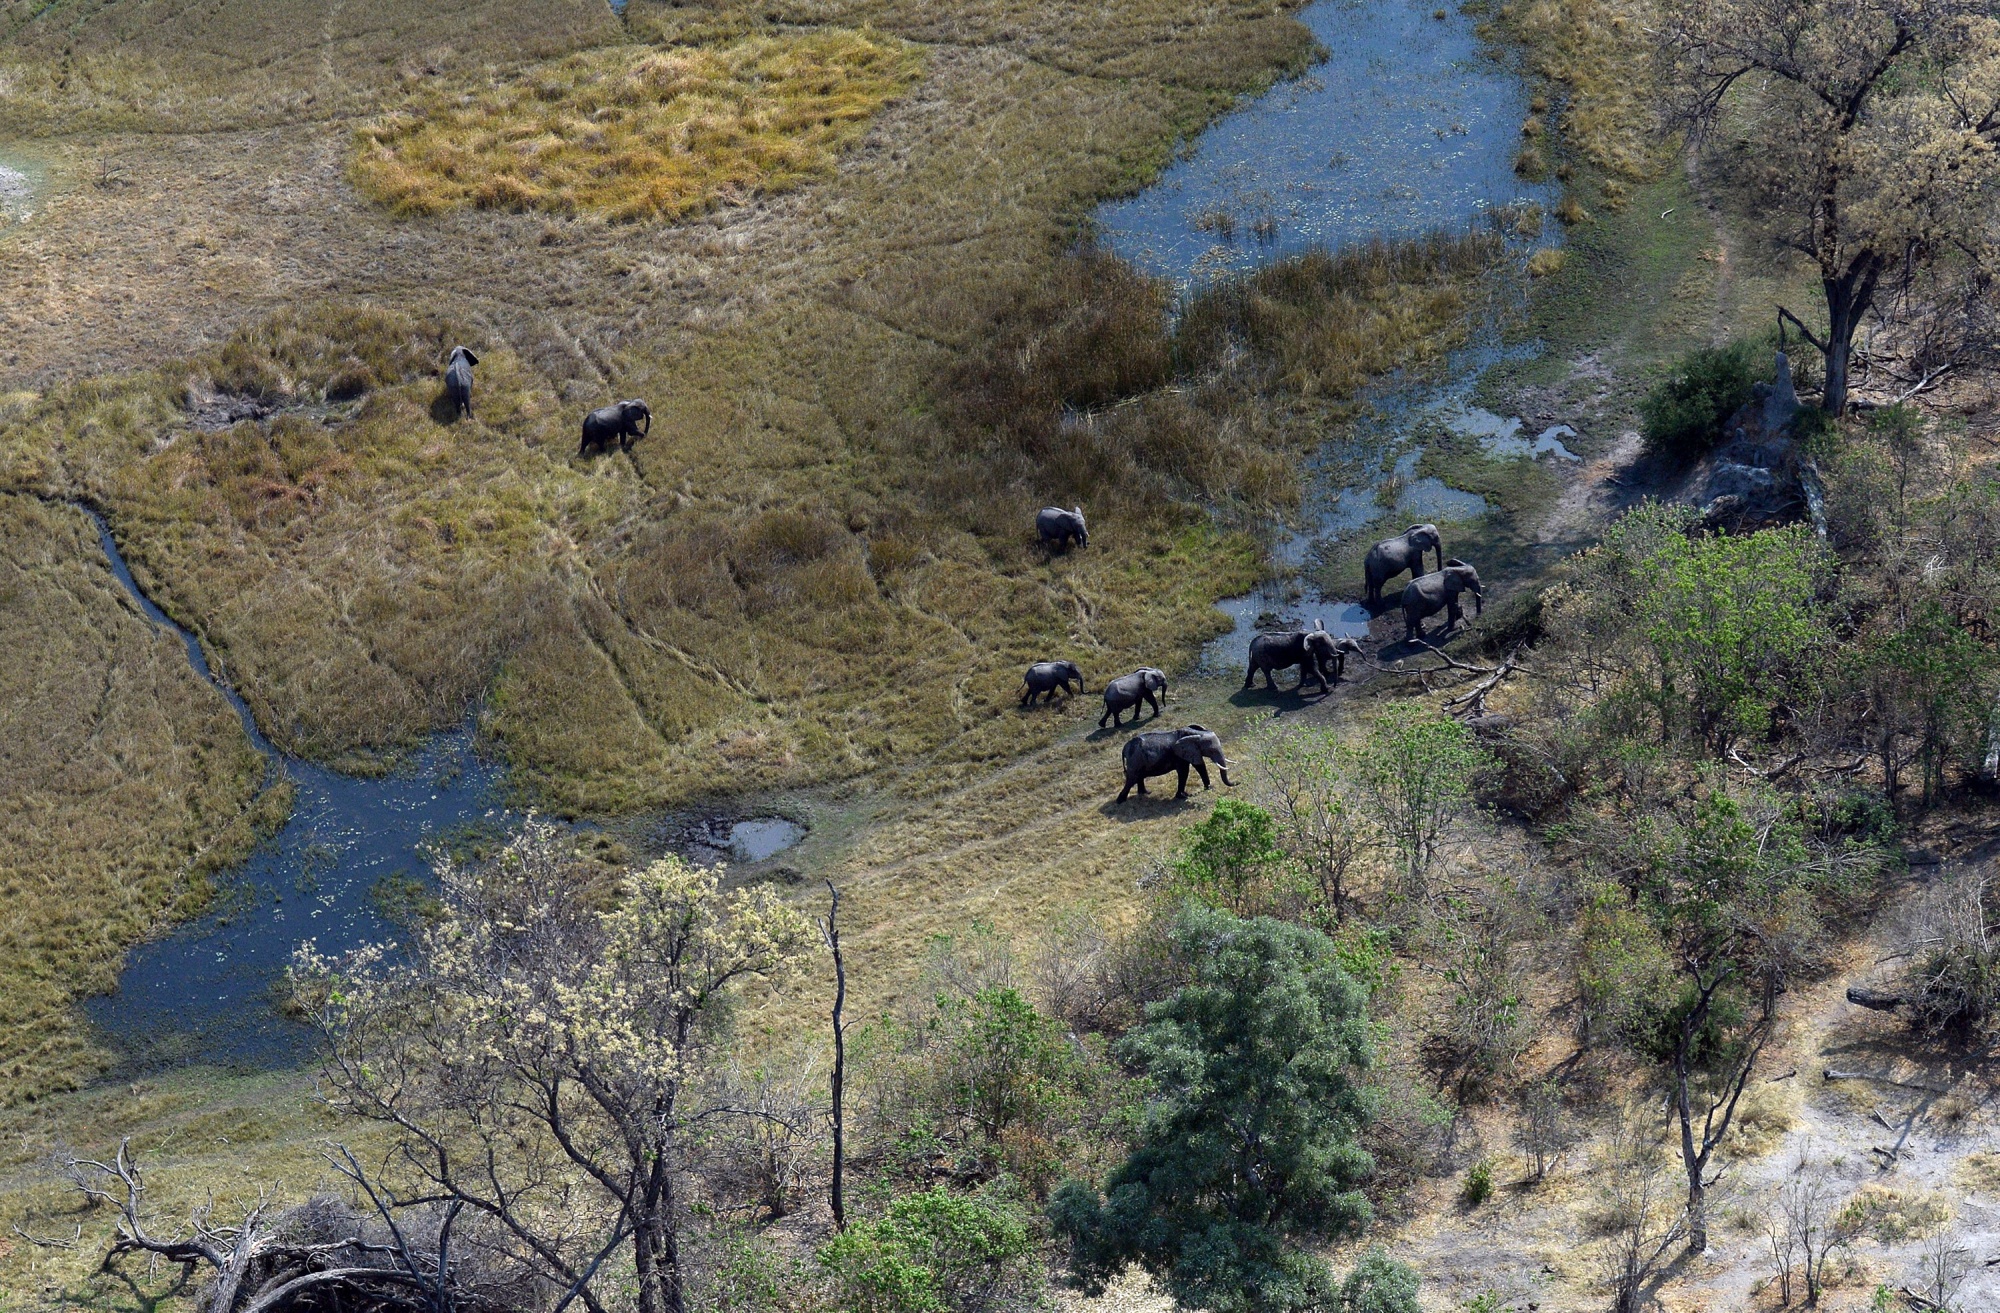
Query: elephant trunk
x,y
646,424
1224,772
1478,602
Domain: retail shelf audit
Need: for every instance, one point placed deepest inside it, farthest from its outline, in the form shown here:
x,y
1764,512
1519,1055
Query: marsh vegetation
x,y
1480,989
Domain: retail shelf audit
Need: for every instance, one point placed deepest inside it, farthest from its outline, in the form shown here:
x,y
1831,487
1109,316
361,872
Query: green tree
x,y
990,1081
1683,414
934,1252
1319,820
1928,687
1734,628
1736,901
1247,1146
1416,772
1230,858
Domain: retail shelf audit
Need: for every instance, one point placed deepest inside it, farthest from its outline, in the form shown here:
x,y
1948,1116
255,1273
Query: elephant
x,y
1045,677
1392,556
458,381
1159,751
619,422
1145,685
1343,648
1056,526
1439,592
1310,650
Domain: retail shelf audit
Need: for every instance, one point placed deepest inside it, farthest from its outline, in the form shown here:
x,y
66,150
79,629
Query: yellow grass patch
x,y
637,133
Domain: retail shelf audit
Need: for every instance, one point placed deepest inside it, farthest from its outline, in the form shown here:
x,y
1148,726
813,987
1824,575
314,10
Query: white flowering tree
x,y
543,1051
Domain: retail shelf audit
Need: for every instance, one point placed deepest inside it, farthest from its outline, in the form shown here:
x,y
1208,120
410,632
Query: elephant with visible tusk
x,y
1392,556
458,381
620,422
1159,751
1439,592
1045,677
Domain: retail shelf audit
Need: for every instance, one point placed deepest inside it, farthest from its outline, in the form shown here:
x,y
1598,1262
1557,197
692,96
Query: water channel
x,y
1405,127
1408,126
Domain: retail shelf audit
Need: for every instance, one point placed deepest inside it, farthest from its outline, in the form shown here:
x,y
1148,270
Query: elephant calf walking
x,y
1045,677
1163,750
1144,685
621,422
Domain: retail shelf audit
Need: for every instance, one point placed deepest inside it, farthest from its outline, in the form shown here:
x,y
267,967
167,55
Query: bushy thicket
x,y
1681,417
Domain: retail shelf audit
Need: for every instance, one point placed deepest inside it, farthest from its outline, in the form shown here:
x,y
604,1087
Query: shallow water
x,y
1406,127
352,849
17,192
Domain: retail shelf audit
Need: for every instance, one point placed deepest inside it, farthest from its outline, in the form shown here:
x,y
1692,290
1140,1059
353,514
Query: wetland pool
x,y
1407,126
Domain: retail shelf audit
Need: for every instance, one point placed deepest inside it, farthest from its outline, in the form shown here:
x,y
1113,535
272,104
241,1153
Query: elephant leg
x,y
1154,701
1128,788
1249,677
1181,792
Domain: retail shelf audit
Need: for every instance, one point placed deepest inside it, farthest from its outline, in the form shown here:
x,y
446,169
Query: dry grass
x,y
636,134
126,779
1597,58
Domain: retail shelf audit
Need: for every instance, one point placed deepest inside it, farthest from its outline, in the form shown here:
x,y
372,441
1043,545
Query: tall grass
x,y
636,133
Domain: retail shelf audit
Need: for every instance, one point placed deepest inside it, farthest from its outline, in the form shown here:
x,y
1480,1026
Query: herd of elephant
x,y
1314,652
1319,656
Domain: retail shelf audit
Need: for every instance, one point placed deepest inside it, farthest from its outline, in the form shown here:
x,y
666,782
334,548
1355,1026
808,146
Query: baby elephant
x,y
1145,685
1056,526
620,422
458,381
1045,677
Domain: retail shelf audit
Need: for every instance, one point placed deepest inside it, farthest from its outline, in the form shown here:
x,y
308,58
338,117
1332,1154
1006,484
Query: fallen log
x,y
1831,1074
1877,999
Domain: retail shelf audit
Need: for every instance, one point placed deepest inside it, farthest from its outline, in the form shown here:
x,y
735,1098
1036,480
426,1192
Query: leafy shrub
x,y
1379,1284
1230,858
934,1252
1682,416
1478,1183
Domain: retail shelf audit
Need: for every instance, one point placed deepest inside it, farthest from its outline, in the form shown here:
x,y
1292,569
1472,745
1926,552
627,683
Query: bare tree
x,y
1942,1266
1864,131
1641,1207
321,1254
837,1087
1547,1130
544,1051
1816,1224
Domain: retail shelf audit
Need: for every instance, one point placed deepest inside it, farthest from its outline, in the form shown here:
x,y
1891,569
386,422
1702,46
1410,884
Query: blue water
x,y
204,991
1406,127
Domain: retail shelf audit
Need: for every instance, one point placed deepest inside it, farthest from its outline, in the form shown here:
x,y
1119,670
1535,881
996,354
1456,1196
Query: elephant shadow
x,y
1282,698
442,409
1137,808
1130,727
